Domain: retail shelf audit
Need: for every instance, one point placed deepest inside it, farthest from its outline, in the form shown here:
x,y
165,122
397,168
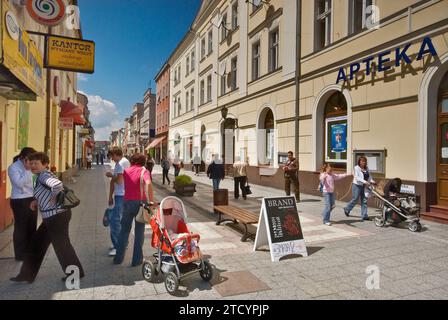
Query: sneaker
x,y
365,219
111,247
112,253
20,279
327,223
332,207
347,213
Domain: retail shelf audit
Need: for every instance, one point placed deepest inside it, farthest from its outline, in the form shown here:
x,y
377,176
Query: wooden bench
x,y
238,215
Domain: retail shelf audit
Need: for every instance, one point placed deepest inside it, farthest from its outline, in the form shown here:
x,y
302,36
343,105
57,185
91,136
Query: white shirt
x,y
21,180
119,169
358,177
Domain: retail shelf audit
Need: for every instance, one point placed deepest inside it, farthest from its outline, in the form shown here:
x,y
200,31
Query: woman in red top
x,y
133,198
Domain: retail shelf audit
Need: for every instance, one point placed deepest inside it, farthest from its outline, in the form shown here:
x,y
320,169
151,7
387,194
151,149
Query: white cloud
x,y
82,77
104,116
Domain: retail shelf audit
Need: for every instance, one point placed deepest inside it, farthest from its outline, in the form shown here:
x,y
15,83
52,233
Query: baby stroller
x,y
397,209
178,255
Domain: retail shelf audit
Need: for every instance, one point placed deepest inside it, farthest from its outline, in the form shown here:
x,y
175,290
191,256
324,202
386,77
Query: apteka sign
x,y
383,60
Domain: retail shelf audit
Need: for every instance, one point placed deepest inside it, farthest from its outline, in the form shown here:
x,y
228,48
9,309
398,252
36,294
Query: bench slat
x,y
245,216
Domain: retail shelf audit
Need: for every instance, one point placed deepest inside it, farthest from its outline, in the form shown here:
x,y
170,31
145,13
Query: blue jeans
x,y
329,203
115,220
358,193
216,183
130,211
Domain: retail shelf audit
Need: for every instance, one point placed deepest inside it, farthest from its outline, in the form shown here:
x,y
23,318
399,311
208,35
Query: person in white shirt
x,y
116,195
25,220
362,179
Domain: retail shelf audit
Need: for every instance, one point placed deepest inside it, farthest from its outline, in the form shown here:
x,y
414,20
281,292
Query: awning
x,y
155,143
71,110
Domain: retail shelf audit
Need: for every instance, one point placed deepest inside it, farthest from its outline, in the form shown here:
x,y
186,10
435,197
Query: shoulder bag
x,y
143,216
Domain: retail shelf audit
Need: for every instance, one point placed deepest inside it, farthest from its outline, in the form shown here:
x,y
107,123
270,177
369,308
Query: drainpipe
x,y
48,111
298,71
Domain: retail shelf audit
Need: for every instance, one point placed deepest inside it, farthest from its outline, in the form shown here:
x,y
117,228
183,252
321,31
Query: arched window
x,y
266,138
269,127
335,118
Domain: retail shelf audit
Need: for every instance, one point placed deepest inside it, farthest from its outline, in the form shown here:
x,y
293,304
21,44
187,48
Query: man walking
x,y
216,172
116,192
291,172
239,177
196,164
165,169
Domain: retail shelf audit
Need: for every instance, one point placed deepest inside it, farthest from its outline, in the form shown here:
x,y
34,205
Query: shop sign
x,y
384,59
66,123
46,12
20,54
84,131
70,54
279,227
407,189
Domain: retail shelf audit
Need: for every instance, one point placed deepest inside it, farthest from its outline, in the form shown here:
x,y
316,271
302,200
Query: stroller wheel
x,y
148,271
379,221
206,271
171,283
415,226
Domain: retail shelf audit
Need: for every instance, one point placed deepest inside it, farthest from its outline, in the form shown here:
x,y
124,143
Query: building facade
x,y
374,83
162,112
32,98
233,90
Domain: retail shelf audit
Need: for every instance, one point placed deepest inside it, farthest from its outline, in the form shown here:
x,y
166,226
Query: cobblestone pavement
x,y
412,265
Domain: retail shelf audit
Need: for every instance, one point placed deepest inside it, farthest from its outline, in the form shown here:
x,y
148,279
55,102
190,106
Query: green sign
x,y
24,122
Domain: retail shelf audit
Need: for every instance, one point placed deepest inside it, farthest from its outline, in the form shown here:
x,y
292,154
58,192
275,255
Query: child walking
x,y
327,179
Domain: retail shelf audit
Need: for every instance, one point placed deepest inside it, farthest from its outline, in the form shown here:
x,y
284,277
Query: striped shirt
x,y
48,186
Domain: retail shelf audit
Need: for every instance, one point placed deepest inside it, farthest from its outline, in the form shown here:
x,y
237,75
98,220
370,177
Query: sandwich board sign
x,y
279,227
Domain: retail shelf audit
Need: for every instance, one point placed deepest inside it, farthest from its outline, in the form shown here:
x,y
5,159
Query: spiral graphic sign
x,y
47,12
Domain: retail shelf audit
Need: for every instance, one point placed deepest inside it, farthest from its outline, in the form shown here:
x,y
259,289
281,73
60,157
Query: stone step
x,y
436,217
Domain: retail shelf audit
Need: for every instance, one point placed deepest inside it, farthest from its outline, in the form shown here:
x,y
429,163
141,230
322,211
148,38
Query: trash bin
x,y
221,197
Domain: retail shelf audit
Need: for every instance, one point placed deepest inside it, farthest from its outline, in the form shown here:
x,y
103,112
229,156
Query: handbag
x,y
247,189
143,215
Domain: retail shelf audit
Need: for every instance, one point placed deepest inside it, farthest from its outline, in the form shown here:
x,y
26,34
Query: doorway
x,y
442,157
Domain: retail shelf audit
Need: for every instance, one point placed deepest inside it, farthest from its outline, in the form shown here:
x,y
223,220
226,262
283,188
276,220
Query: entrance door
x,y
2,186
442,159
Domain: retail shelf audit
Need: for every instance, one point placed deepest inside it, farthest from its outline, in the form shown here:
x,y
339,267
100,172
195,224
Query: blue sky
x,y
133,39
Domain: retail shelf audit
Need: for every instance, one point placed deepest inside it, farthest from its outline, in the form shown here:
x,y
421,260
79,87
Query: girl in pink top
x,y
327,178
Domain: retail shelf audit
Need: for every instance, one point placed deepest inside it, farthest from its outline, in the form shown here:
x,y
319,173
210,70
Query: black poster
x,y
283,219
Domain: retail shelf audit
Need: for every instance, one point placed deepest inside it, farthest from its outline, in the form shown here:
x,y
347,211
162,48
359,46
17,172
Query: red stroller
x,y
178,255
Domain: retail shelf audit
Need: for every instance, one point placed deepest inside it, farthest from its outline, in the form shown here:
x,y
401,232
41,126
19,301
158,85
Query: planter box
x,y
186,190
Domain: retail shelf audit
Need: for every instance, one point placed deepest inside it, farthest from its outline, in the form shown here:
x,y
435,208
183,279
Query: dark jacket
x,y
215,171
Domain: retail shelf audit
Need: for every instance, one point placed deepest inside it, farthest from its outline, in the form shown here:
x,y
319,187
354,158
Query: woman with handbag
x,y
138,189
240,178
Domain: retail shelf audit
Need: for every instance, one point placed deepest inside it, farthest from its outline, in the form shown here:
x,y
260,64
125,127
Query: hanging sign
x,y
279,227
68,54
46,12
66,123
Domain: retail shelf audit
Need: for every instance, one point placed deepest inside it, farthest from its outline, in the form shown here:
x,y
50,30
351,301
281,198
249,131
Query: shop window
x,y
266,138
336,131
269,127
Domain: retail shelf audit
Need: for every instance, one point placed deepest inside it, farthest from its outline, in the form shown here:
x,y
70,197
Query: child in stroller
x,y
178,254
397,207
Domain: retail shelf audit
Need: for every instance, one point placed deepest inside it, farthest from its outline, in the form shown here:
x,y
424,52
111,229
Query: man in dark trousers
x,y
291,172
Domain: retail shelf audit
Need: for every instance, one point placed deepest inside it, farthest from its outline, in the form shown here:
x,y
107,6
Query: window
x,y
210,41
270,137
209,88
255,60
187,71
175,108
235,15
224,30
358,15
255,7
223,84
187,101
192,99
336,130
202,94
323,24
193,61
273,50
234,73
202,48
179,106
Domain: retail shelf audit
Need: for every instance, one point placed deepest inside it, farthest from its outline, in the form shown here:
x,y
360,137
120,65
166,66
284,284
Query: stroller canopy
x,y
171,210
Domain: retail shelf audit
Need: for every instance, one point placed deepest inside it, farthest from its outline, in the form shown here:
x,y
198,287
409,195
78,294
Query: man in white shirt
x,y
116,195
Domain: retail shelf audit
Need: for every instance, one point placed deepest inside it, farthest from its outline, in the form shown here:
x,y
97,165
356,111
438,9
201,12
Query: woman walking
x,y
25,220
327,178
362,179
165,170
54,228
133,198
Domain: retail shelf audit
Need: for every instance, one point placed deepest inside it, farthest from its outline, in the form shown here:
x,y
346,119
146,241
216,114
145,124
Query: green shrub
x,y
183,179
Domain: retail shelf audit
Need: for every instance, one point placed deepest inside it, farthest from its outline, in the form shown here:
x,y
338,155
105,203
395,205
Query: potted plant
x,y
184,186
